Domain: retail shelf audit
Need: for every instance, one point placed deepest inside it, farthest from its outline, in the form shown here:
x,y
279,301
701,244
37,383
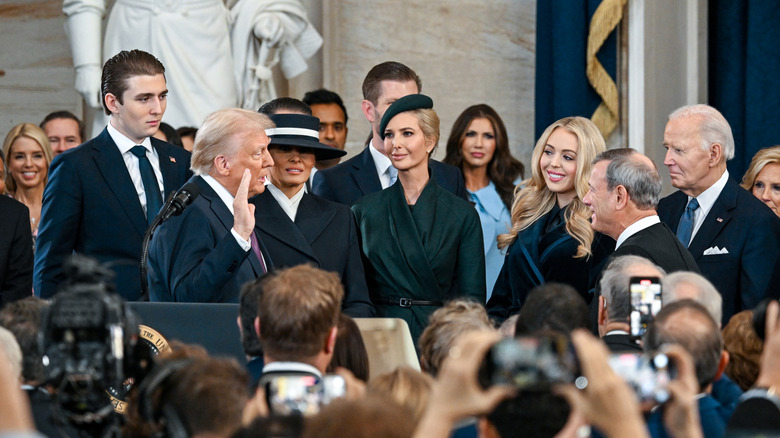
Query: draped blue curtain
x,y
744,74
562,88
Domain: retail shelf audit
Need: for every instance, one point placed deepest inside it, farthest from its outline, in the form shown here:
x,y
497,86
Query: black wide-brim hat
x,y
402,105
301,131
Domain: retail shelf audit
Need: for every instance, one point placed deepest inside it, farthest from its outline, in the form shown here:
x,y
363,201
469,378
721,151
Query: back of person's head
x,y
324,97
274,426
690,325
387,71
407,387
635,172
690,285
537,414
189,392
248,303
222,133
615,281
350,351
367,417
23,319
284,105
64,115
445,326
298,308
123,66
552,306
744,347
712,127
171,136
11,352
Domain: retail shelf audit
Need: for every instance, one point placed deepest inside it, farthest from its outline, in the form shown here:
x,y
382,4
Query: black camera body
x,y
530,363
87,339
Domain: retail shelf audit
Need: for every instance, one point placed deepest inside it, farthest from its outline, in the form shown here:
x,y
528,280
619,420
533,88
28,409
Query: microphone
x,y
180,200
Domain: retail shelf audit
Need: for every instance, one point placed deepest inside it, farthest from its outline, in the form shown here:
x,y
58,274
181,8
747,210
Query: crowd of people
x,y
465,251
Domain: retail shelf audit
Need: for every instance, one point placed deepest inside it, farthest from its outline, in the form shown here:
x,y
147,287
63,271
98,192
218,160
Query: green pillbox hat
x,y
406,103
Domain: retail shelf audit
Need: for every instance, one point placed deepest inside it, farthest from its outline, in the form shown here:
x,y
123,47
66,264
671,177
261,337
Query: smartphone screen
x,y
645,303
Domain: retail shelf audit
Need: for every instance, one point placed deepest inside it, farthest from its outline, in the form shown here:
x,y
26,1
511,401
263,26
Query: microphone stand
x,y
145,245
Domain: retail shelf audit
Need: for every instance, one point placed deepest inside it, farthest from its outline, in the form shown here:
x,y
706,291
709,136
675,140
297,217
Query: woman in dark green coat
x,y
421,244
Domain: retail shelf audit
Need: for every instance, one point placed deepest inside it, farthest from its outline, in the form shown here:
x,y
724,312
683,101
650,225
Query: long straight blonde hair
x,y
534,199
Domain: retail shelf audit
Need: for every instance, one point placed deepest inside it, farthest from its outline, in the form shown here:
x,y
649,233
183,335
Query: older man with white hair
x,y
690,285
731,234
208,252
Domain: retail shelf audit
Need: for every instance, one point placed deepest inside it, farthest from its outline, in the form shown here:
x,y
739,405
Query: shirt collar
x,y
125,144
641,224
708,197
380,160
289,205
221,191
488,200
291,366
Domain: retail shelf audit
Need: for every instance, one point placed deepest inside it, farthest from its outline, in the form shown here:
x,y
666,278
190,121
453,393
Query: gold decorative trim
x,y
606,18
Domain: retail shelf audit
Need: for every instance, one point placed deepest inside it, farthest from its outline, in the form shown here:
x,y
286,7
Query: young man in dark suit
x,y
731,234
371,171
211,249
102,196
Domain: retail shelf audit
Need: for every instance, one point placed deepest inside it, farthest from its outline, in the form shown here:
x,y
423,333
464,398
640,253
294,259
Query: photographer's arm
x,y
769,376
607,402
456,394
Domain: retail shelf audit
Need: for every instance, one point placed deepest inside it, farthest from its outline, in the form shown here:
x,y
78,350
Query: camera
x,y
646,302
302,394
649,375
530,362
86,340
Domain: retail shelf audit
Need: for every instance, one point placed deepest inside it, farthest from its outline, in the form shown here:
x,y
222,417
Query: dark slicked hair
x,y
387,71
64,115
284,104
325,97
248,303
123,66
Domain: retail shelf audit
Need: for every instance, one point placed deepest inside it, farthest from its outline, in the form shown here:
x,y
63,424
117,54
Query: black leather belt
x,y
407,302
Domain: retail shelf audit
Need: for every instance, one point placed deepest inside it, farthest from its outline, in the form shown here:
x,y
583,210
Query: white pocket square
x,y
715,251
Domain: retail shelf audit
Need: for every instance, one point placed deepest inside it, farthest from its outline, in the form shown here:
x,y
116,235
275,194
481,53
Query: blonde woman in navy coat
x,y
551,238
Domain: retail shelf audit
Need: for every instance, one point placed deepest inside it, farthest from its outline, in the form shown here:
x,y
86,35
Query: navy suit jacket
x,y
90,206
16,254
324,234
194,258
749,231
357,177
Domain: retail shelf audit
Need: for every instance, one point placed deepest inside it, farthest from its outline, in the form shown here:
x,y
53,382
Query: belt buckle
x,y
405,302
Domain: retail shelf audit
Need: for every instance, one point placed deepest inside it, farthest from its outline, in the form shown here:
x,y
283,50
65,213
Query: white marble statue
x,y
216,53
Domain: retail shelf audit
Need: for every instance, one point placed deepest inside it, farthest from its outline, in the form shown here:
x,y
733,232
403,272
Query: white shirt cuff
x,y
244,244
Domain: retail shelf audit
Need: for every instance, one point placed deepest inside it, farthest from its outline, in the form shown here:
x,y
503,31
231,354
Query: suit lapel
x,y
274,222
168,168
407,234
716,219
112,166
365,175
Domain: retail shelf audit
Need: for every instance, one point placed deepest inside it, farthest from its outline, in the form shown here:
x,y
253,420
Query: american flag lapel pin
x,y
173,160
719,219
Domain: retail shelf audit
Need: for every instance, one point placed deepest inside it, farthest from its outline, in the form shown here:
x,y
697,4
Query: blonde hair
x,y
763,157
32,132
407,387
534,199
222,133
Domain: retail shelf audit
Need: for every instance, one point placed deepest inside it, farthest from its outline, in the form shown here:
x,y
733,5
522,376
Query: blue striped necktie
x,y
685,228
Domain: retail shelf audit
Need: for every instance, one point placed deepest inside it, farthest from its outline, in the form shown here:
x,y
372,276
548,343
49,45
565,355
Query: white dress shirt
x,y
383,165
706,200
131,161
641,224
289,205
